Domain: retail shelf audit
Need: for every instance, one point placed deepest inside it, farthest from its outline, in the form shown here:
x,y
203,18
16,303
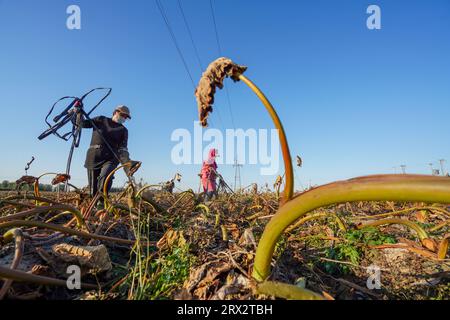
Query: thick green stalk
x,y
286,291
289,188
372,188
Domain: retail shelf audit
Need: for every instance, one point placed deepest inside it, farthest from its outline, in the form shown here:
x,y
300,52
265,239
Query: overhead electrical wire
x,y
190,35
175,42
174,39
199,60
219,47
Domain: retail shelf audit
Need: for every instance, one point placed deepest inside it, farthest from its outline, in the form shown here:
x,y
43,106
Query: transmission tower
x,y
237,174
403,168
442,161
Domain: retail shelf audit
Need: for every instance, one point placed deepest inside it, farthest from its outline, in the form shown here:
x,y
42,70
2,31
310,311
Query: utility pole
x,y
442,161
237,174
403,168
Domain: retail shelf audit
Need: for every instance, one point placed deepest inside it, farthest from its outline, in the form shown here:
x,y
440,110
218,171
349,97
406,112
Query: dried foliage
x,y
203,251
211,79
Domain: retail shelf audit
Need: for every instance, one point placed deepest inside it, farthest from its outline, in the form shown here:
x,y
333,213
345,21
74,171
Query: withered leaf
x,y
60,178
211,79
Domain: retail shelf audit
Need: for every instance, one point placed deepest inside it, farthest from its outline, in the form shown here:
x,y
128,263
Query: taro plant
x,y
414,188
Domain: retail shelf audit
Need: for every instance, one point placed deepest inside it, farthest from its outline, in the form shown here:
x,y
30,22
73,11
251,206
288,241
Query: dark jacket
x,y
117,137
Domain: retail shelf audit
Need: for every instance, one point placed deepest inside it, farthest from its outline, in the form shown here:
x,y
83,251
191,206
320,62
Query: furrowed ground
x,y
191,250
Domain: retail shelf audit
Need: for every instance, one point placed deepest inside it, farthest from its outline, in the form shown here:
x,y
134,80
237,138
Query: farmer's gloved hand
x,y
130,170
76,107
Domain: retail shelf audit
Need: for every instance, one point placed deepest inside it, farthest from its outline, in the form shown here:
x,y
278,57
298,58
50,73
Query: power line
x,y
197,55
174,39
219,47
215,27
190,35
229,107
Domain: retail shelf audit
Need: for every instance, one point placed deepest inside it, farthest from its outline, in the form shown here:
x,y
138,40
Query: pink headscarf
x,y
211,156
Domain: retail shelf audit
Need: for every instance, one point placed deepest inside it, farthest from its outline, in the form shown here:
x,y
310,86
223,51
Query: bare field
x,y
172,246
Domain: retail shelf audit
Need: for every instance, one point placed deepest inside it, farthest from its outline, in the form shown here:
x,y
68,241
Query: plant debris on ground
x,y
181,248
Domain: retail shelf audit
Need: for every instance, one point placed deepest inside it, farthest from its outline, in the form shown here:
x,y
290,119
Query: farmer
x,y
208,175
108,148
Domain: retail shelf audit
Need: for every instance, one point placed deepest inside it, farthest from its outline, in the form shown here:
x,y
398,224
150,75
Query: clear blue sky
x,y
353,101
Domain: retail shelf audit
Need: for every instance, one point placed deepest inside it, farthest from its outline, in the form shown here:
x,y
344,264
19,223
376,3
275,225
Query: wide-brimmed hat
x,y
124,110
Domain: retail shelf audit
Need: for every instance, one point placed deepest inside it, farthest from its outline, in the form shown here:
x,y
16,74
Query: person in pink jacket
x,y
208,175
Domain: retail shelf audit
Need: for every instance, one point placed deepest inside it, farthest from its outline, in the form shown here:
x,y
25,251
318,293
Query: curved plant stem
x,y
24,223
87,213
27,197
418,229
91,206
286,291
289,187
181,197
59,215
108,178
16,204
152,203
18,253
36,183
145,188
440,226
38,210
315,216
17,275
371,188
204,207
400,212
124,208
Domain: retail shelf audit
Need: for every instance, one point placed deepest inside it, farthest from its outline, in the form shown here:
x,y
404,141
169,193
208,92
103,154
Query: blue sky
x,y
353,101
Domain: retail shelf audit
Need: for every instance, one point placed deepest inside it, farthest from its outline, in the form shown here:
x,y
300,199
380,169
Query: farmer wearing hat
x,y
108,148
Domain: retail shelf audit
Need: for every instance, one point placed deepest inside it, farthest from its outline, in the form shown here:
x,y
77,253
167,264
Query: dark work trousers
x,y
97,177
209,195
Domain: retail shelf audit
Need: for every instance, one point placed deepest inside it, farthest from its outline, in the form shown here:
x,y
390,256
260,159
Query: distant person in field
x,y
100,160
208,175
